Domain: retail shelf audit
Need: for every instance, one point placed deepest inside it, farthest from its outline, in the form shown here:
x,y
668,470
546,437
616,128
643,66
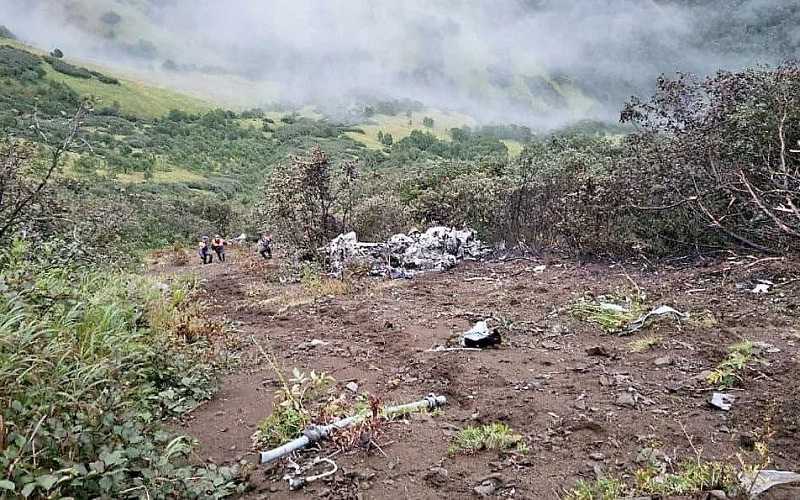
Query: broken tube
x,y
318,432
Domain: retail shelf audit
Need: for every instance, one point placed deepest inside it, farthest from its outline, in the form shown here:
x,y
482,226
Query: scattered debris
x,y
758,483
722,401
437,249
658,311
316,433
441,348
764,347
762,287
488,486
297,481
311,344
480,336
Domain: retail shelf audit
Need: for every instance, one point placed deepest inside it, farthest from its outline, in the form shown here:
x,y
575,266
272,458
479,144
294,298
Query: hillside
x,y
578,309
542,63
178,152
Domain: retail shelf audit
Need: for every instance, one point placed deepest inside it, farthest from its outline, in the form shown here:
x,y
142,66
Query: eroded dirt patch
x,y
585,402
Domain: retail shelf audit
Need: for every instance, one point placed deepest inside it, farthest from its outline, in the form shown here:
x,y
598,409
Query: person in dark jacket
x,y
218,245
265,246
203,251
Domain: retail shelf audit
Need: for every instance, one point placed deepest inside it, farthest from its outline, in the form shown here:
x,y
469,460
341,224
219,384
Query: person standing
x,y
265,246
218,245
203,251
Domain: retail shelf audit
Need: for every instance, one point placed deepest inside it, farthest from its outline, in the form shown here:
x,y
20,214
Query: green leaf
x,y
106,483
113,458
28,489
7,485
47,481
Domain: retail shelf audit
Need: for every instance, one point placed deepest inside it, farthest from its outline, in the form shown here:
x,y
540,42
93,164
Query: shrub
x,y
67,68
86,379
105,79
16,63
714,154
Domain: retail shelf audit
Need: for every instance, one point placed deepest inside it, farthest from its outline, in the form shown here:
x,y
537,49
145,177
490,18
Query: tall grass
x,y
90,363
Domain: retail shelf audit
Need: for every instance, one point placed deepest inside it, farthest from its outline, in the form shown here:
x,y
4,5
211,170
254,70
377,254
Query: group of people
x,y
217,246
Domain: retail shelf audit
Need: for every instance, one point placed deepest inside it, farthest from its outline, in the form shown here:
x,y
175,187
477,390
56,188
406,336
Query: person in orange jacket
x,y
218,245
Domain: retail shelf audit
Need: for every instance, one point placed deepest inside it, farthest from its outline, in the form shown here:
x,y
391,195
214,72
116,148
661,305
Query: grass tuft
x,y
644,344
690,478
728,372
601,489
612,313
496,436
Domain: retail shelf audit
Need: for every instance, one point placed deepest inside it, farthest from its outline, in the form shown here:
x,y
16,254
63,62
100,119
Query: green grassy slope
x,y
134,97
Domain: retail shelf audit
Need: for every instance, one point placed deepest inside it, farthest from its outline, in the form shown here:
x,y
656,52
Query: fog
x,y
540,62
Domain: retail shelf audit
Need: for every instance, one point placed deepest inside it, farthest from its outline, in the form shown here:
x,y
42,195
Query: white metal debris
x,y
722,401
658,311
437,249
758,483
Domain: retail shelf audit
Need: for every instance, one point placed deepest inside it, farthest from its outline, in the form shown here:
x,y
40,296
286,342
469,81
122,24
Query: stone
x,y
598,350
485,489
626,399
663,361
352,387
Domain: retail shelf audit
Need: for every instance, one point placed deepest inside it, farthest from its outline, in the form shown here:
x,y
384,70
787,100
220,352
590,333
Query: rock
x,y
717,495
764,347
663,361
597,456
312,344
648,456
352,387
553,346
486,489
626,399
598,350
437,476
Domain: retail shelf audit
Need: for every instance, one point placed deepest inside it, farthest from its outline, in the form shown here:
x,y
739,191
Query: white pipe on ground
x,y
318,432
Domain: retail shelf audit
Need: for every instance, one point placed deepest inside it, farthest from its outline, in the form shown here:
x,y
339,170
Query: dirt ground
x,y
585,403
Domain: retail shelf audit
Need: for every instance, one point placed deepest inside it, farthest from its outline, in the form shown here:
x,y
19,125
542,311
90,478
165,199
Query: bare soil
x,y
585,403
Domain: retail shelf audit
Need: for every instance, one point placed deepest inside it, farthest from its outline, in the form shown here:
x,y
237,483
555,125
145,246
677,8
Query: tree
x,y
57,53
428,122
310,201
23,183
720,152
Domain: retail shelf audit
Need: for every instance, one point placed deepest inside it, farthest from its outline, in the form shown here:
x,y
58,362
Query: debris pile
x,y
437,249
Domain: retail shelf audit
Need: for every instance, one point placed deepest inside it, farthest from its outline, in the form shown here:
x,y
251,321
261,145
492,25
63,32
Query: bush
x,y
86,383
105,79
15,63
67,68
714,154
